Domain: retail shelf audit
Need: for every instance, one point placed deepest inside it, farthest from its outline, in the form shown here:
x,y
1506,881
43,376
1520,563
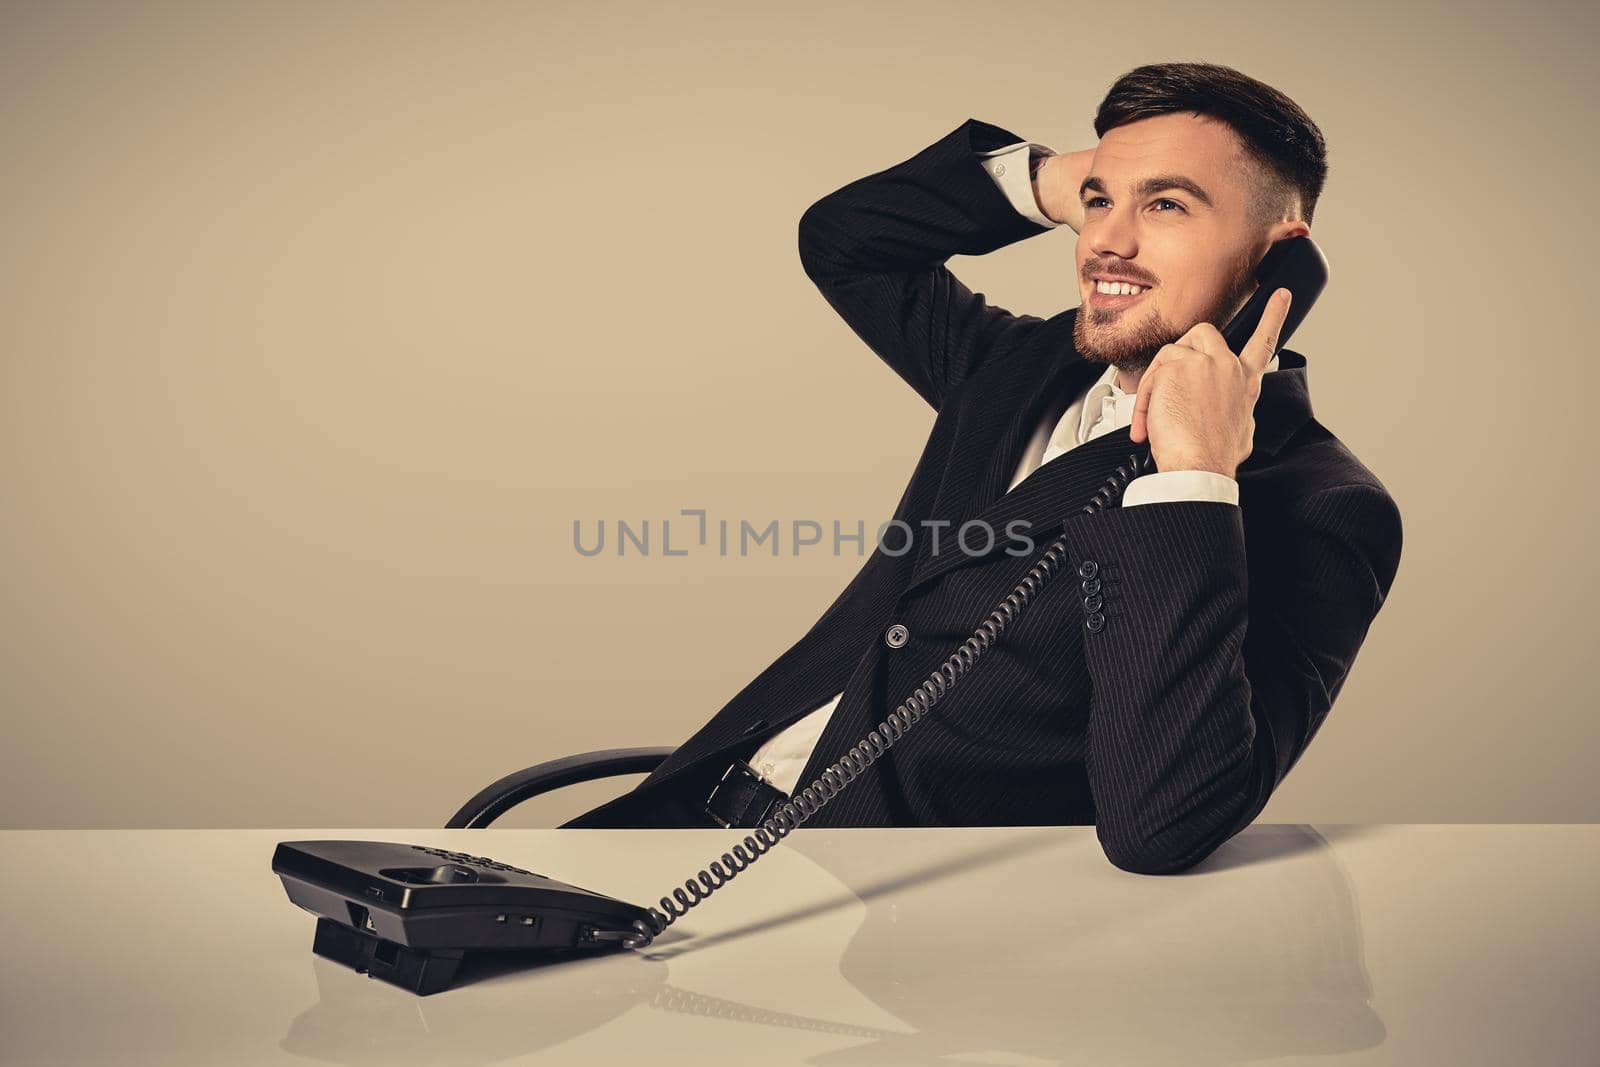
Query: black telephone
x,y
1295,264
407,914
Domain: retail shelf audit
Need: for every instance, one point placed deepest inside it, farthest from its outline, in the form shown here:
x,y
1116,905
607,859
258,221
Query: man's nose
x,y
1113,234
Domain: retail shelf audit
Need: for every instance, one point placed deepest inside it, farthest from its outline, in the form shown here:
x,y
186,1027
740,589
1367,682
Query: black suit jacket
x,y
1228,630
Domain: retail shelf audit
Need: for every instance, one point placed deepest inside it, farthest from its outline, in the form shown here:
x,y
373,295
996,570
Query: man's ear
x,y
1286,229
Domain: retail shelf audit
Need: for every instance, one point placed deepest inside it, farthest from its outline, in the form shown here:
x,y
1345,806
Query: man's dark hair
x,y
1273,130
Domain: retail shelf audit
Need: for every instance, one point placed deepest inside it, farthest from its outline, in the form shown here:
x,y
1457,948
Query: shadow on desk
x,y
1255,954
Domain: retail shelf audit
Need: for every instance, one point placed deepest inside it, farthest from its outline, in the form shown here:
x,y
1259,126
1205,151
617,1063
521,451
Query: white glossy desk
x,y
1412,945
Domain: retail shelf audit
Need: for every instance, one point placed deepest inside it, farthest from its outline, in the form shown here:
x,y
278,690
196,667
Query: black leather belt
x,y
742,798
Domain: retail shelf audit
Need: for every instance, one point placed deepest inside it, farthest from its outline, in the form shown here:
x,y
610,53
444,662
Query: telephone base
x,y
422,971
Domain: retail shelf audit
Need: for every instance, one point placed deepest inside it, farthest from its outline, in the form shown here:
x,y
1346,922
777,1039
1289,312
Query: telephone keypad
x,y
474,861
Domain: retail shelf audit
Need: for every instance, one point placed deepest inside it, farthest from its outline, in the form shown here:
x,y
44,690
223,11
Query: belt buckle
x,y
724,823
741,767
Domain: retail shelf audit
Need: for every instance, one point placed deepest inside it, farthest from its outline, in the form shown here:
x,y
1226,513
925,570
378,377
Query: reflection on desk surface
x,y
1000,945
1192,970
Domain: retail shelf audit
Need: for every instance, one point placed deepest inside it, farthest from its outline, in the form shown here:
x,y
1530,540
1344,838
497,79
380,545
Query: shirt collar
x,y
1105,399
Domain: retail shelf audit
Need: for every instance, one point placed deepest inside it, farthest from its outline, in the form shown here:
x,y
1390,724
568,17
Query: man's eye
x,y
1174,203
1093,200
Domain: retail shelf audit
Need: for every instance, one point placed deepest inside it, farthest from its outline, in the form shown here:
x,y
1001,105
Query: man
x,y
1175,668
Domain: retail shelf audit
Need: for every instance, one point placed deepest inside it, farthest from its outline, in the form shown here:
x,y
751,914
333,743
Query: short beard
x,y
1097,340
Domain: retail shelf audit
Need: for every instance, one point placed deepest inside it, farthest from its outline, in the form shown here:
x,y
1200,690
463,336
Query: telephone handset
x,y
1295,264
396,912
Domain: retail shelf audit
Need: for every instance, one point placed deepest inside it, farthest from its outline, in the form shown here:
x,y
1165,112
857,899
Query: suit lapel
x,y
1282,408
1038,506
1020,411
992,428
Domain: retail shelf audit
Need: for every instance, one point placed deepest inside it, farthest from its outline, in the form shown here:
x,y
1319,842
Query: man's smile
x,y
1111,295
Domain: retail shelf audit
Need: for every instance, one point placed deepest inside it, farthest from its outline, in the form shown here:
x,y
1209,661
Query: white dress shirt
x,y
1068,422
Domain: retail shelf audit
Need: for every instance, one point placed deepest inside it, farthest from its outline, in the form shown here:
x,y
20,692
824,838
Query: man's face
x,y
1168,206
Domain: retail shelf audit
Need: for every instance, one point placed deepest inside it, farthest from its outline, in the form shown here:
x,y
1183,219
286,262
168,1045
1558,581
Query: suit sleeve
x,y
876,250
1206,690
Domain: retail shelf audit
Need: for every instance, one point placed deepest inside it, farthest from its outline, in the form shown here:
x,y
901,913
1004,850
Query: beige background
x,y
320,326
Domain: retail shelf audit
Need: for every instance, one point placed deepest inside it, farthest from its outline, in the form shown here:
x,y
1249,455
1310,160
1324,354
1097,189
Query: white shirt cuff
x,y
1169,486
1008,167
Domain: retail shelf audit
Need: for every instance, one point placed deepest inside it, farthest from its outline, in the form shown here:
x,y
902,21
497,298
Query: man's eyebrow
x,y
1151,185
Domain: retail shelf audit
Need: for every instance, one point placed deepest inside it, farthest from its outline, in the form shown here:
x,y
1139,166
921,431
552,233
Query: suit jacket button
x,y
1095,622
1088,569
1092,602
896,636
1091,585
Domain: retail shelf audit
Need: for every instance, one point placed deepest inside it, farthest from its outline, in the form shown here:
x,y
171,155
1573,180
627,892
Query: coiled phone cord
x,y
794,812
